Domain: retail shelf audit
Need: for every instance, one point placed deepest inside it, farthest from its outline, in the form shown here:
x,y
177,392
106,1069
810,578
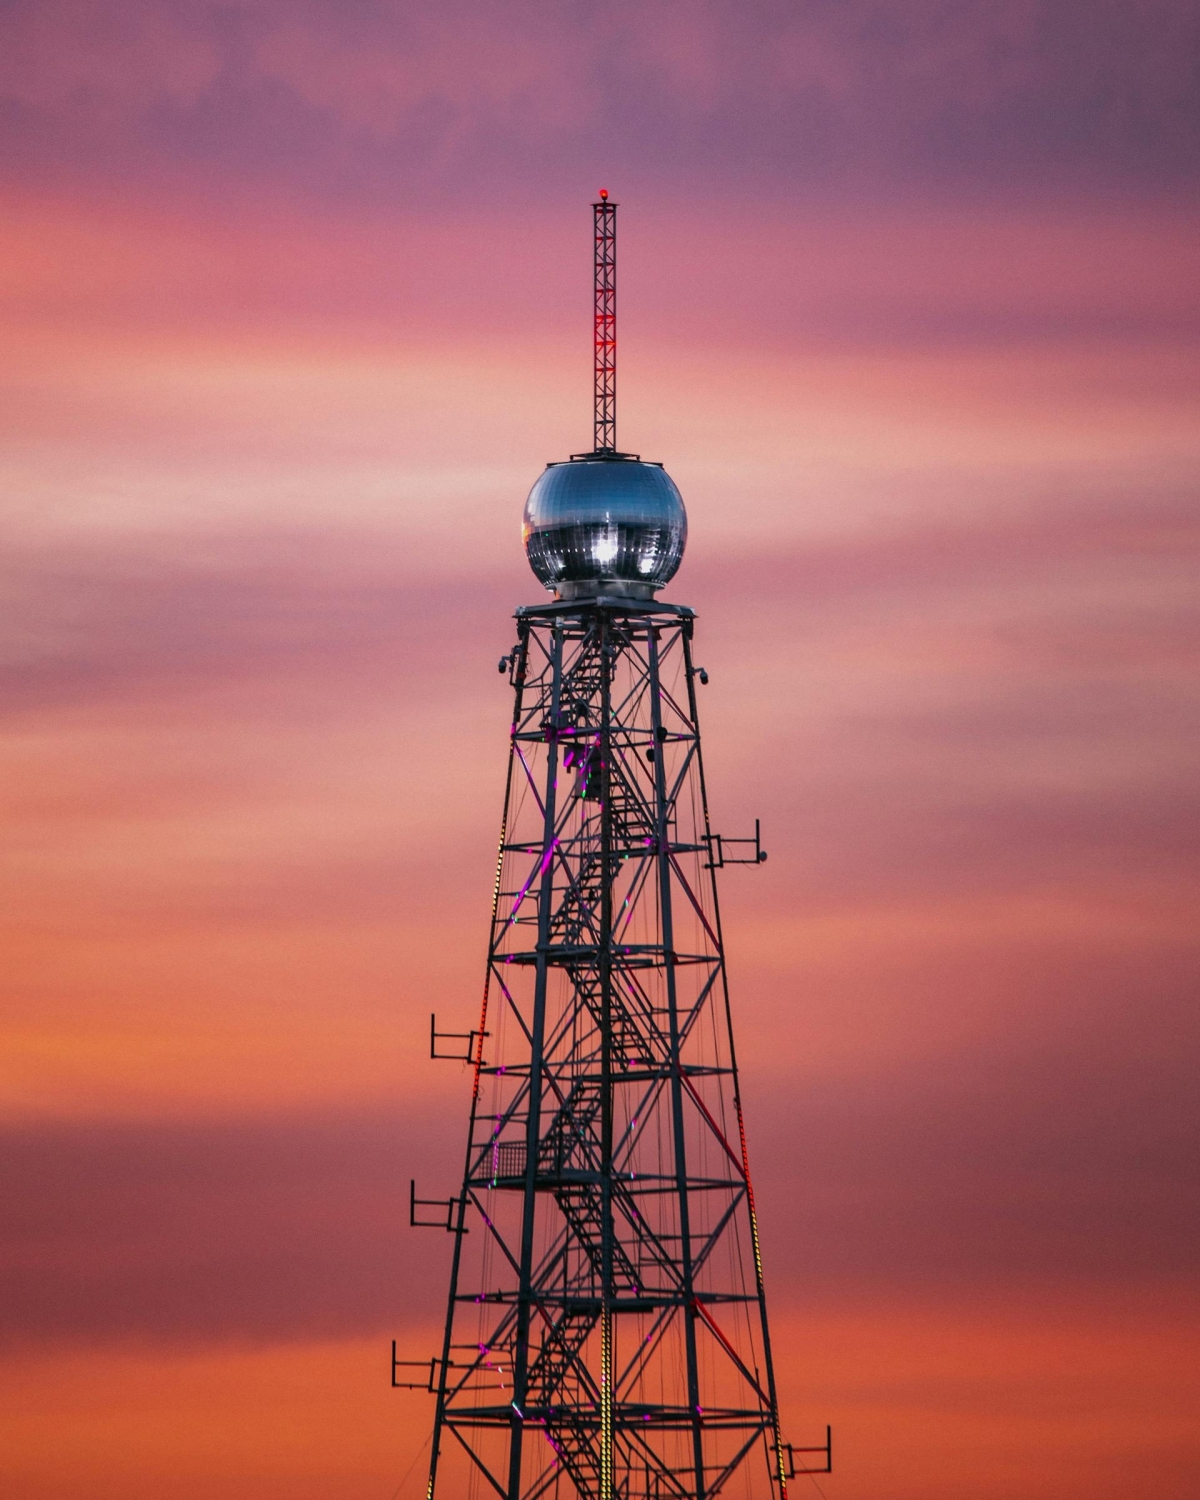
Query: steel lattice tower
x,y
606,1334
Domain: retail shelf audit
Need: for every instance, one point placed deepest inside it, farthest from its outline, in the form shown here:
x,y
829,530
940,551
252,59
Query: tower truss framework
x,y
606,1332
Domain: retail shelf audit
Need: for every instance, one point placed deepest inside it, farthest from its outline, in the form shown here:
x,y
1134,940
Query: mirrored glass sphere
x,y
605,521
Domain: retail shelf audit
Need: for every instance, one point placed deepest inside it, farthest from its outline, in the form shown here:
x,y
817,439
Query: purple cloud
x,y
477,98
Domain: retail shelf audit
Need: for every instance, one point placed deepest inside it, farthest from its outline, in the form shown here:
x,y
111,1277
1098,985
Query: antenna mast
x,y
606,324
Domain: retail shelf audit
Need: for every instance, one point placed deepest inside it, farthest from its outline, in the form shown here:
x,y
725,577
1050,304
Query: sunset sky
x,y
296,304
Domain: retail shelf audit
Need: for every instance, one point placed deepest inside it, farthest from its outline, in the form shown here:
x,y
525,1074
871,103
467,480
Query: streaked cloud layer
x,y
768,96
295,303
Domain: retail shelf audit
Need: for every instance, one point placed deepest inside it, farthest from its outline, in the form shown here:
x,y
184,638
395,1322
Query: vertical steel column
x,y
460,1217
663,854
606,325
780,1468
533,1125
607,1361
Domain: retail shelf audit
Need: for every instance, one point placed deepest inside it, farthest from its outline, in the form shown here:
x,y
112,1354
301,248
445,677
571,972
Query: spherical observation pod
x,y
605,525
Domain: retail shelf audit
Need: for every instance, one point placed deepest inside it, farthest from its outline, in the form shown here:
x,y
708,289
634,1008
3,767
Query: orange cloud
x,y
293,1421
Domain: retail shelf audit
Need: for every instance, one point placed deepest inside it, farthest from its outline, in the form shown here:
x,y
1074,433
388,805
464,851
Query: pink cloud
x,y
69,53
472,98
878,277
483,65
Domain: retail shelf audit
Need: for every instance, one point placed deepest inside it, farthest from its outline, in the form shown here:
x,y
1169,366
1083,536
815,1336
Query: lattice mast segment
x,y
605,424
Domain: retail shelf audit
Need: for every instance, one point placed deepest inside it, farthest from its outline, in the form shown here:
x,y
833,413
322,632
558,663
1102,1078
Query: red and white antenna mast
x,y
606,324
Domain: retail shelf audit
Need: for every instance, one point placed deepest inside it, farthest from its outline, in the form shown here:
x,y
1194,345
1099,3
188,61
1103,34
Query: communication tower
x,y
606,1333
